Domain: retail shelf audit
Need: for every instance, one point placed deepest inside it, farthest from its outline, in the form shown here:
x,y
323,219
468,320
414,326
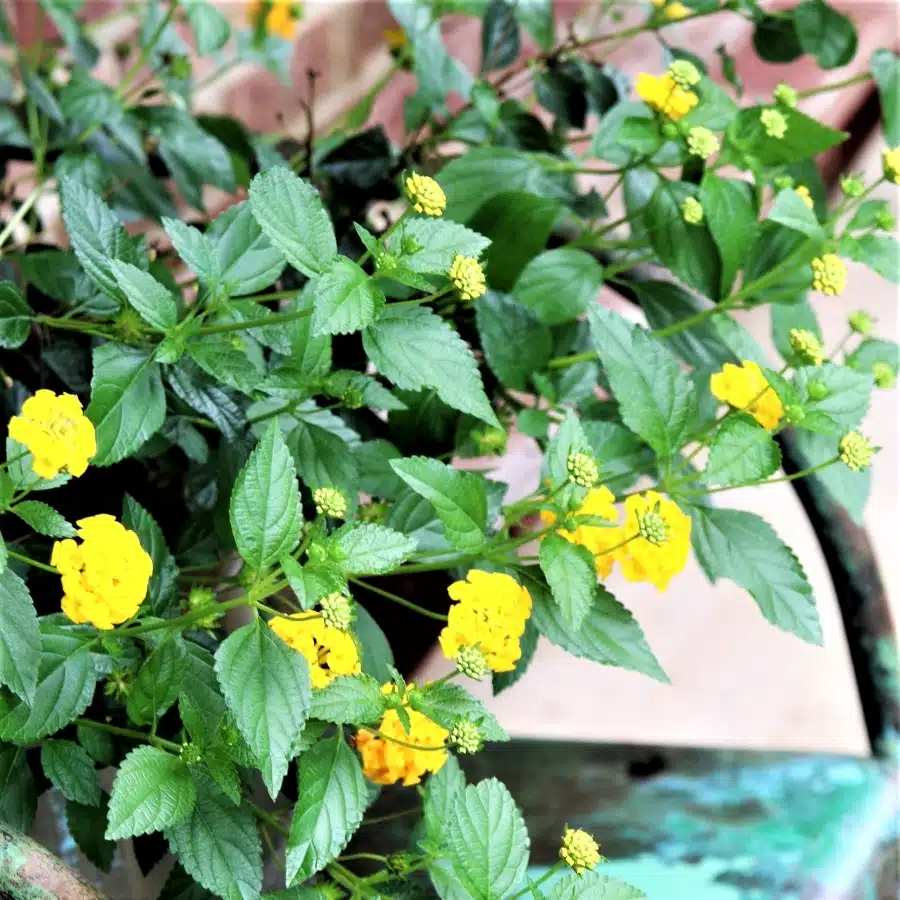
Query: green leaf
x,y
569,438
377,656
245,259
775,38
346,299
790,210
222,770
20,638
325,459
15,317
829,35
88,101
71,770
368,549
487,842
211,29
688,250
458,497
331,799
266,686
128,403
499,36
311,582
86,825
744,548
536,17
18,792
441,793
847,393
514,340
528,642
592,886
218,845
21,472
741,451
291,214
880,252
446,703
153,302
376,477
194,249
99,745
715,110
886,72
43,519
848,488
200,689
415,349
609,633
349,700
97,236
805,138
559,285
656,398
440,241
65,684
180,886
518,224
158,682
266,518
730,214
152,790
871,351
63,14
572,576
163,582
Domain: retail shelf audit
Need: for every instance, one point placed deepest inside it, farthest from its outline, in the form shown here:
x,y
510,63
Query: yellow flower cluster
x,y
891,164
662,93
785,95
829,274
745,387
426,195
490,613
329,651
807,346
692,211
802,191
59,435
702,142
386,762
105,577
329,501
579,850
467,277
855,451
672,10
279,17
774,122
599,503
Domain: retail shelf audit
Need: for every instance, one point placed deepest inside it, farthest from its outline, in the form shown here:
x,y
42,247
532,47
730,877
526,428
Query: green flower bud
x,y
817,390
860,322
465,737
337,611
855,451
885,377
785,95
582,469
692,211
330,501
852,186
471,662
191,754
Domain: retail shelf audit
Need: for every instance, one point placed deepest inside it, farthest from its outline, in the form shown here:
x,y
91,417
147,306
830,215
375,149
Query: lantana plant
x,y
230,420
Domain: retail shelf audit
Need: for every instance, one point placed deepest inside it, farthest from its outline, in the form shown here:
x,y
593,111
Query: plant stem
x,y
435,296
31,562
836,86
171,746
182,621
398,599
8,462
393,740
379,820
393,227
269,818
20,214
274,319
129,76
764,481
543,879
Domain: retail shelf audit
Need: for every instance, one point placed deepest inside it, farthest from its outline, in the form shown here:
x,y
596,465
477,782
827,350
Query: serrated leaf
x,y
312,581
152,791
20,637
349,700
371,549
193,247
528,643
291,214
377,656
324,459
86,825
487,842
266,517
559,285
791,211
730,214
886,72
826,33
18,792
43,519
847,393
331,799
441,792
65,686
458,497
211,29
592,886
656,398
805,138
440,241
227,361
266,685
741,451
609,633
206,396
569,438
128,403
570,572
99,745
222,770
71,770
15,317
164,580
158,682
152,301
848,488
415,349
200,688
446,703
745,549
346,299
218,845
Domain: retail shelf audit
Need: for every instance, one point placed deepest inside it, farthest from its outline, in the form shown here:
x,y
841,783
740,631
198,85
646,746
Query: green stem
x,y
393,740
381,240
31,562
269,818
274,319
129,76
375,857
542,880
348,880
20,214
836,86
8,462
435,296
764,481
380,820
398,599
182,621
162,744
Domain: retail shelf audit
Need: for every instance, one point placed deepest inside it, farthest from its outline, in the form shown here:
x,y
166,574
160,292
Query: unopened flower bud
x,y
330,501
582,469
471,662
465,737
855,451
337,611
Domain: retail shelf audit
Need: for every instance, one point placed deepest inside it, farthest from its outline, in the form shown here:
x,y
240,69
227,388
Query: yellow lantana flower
x,y
745,387
673,10
654,558
598,503
387,762
57,432
579,850
802,191
829,274
329,651
467,276
104,578
279,17
891,164
662,93
490,613
425,195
